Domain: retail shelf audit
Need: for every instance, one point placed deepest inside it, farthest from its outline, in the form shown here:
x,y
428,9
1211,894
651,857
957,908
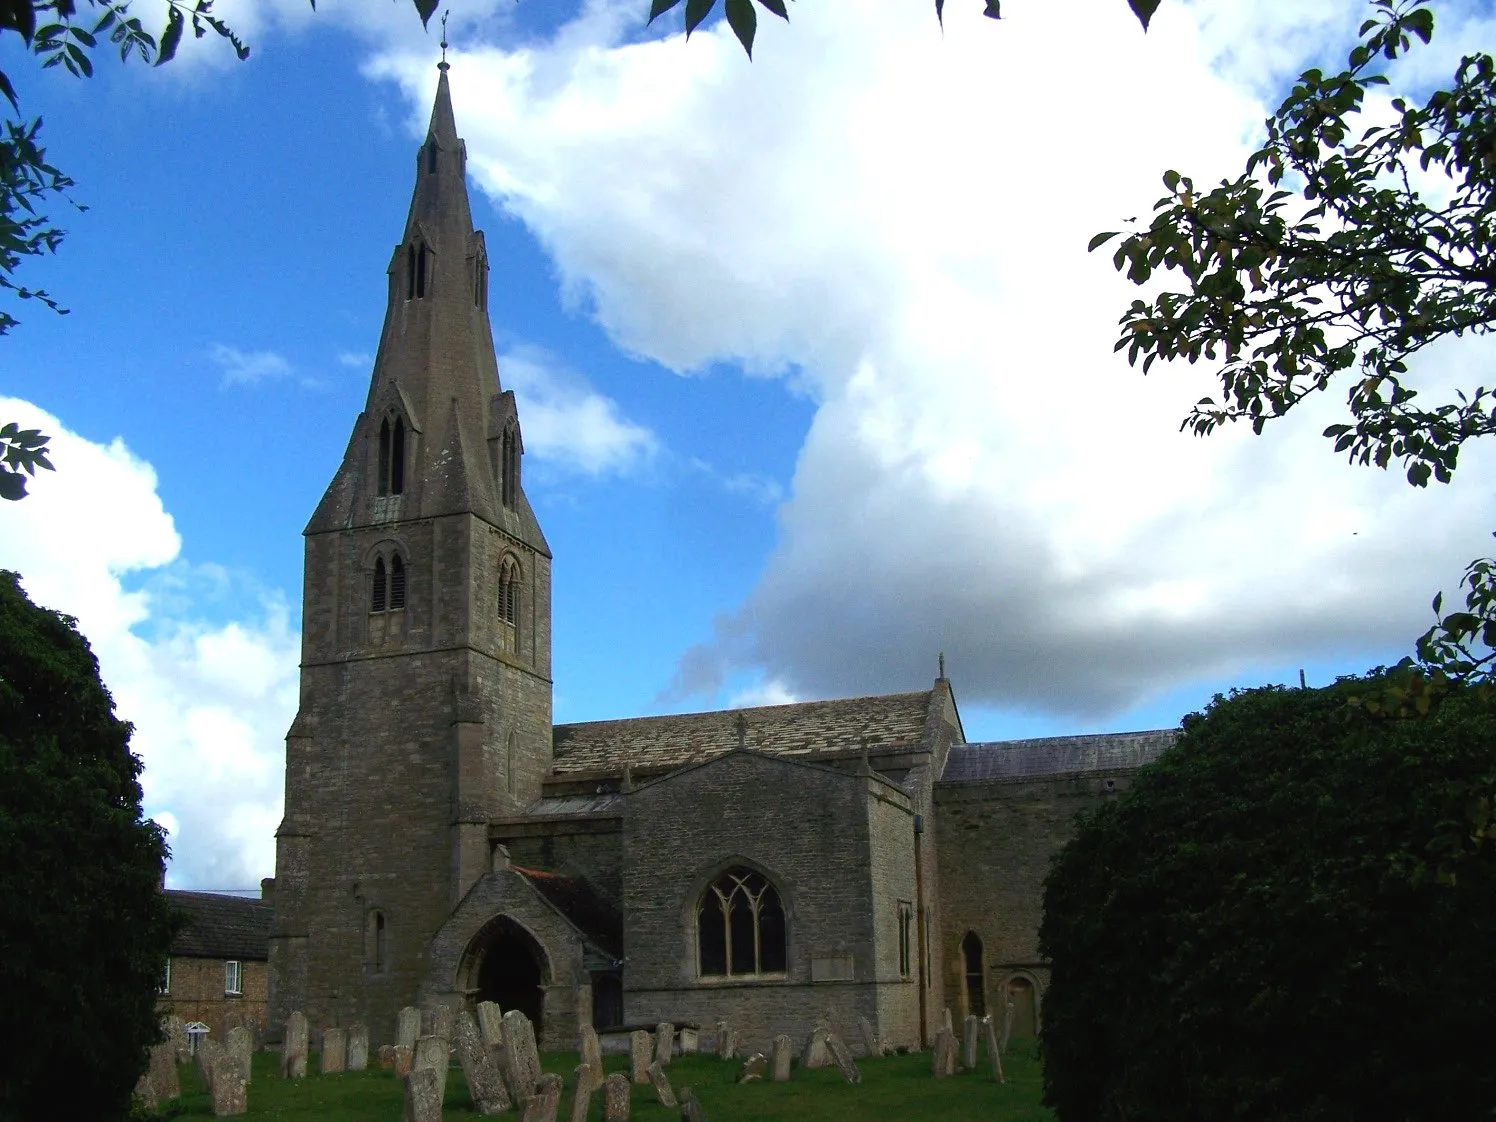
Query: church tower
x,y
426,635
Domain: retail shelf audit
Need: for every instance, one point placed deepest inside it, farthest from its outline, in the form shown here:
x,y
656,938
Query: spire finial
x,y
442,65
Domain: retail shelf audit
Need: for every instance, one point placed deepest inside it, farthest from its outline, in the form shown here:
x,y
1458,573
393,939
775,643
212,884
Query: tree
x,y
87,927
1251,931
1339,254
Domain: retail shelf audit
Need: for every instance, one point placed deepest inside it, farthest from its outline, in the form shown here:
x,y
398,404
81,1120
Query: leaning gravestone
x,y
969,1042
543,1104
664,1042
993,1054
1002,1040
664,1093
520,1059
616,1098
439,1020
228,1089
843,1057
784,1048
241,1045
490,1024
479,1067
592,1055
162,1073
583,1083
293,1047
870,1041
358,1047
435,1053
753,1068
334,1057
690,1108
943,1054
408,1026
175,1031
816,1053
639,1056
423,1095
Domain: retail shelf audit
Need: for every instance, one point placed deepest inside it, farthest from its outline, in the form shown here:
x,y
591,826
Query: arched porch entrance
x,y
506,964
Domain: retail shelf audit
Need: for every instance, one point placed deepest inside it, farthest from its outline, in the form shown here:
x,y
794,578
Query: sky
x,y
814,371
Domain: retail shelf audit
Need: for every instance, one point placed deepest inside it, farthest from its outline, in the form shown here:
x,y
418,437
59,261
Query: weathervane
x,y
442,65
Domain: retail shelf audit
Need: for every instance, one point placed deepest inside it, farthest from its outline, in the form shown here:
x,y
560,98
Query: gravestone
x,y
175,1030
943,1053
870,1042
403,1057
358,1047
664,1042
616,1098
690,1108
543,1104
439,1020
386,1056
479,1067
435,1053
816,1053
228,1088
639,1056
490,1024
690,1040
584,1080
993,1054
408,1026
519,1059
728,1048
664,1093
592,1054
724,1041
945,1020
753,1068
293,1047
241,1045
843,1057
1002,1039
208,1050
334,1055
165,1082
782,1054
969,1042
423,1094
145,1094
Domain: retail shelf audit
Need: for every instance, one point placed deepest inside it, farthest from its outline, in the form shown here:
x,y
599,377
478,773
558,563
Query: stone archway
x,y
506,964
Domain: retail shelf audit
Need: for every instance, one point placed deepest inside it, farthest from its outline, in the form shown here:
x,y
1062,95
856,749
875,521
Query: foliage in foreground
x,y
1253,930
86,930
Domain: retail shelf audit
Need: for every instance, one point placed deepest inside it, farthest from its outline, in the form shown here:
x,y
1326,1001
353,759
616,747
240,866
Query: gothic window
x,y
480,282
392,456
389,585
397,582
509,467
417,266
906,937
380,600
971,957
431,151
509,581
740,929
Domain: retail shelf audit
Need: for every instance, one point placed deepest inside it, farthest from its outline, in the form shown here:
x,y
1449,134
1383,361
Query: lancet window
x,y
417,270
509,467
392,456
509,584
740,929
388,591
431,151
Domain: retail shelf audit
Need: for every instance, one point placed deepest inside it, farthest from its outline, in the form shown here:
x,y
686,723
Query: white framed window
x,y
232,977
165,986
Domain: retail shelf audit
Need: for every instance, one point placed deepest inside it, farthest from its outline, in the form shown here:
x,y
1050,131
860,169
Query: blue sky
x,y
815,373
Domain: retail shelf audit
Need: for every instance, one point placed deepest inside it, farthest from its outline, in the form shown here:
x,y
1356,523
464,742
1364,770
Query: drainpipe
x,y
919,919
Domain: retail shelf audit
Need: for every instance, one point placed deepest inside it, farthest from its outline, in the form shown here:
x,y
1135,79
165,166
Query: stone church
x,y
444,841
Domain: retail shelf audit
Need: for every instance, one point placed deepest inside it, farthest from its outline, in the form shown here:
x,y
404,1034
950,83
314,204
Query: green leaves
x,y
741,16
22,451
743,21
171,38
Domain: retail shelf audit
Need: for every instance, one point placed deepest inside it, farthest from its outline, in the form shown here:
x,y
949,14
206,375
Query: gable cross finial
x,y
742,726
442,65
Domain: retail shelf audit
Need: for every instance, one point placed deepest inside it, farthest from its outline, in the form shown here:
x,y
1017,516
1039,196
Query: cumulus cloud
x,y
210,698
898,218
567,423
247,368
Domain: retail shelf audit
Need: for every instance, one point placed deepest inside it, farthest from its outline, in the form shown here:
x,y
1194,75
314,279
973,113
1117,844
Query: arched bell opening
x,y
507,964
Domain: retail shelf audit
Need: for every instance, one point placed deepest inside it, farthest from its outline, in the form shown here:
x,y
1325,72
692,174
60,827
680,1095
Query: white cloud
x,y
247,368
210,700
770,692
568,424
355,360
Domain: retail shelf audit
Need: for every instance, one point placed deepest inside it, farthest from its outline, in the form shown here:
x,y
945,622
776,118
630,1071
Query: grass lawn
x,y
896,1089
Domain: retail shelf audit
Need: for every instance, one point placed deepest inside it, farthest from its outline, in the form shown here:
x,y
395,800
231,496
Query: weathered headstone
x,y
439,1020
616,1098
728,1049
175,1030
753,1068
403,1058
843,1057
871,1045
293,1047
943,1053
1002,1040
690,1040
664,1093
592,1054
334,1058
228,1087
208,1050
358,1046
664,1042
490,1024
520,1059
435,1053
543,1104
969,1042
408,1026
423,1095
639,1056
724,1041
479,1067
240,1043
945,1020
993,1054
165,1082
816,1053
145,1094
783,1051
690,1107
387,1056
584,1080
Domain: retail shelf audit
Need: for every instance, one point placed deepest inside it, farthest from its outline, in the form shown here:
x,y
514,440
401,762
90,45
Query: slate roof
x,y
579,902
222,926
1055,756
805,728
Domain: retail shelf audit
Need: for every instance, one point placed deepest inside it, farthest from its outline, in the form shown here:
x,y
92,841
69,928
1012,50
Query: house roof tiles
x,y
1054,756
220,926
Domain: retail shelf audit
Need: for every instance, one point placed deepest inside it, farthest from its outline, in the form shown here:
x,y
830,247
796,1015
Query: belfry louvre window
x,y
397,582
392,456
388,592
417,266
509,592
740,927
380,600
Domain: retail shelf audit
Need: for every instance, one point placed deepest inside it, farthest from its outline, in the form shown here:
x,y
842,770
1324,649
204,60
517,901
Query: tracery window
x,y
740,930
